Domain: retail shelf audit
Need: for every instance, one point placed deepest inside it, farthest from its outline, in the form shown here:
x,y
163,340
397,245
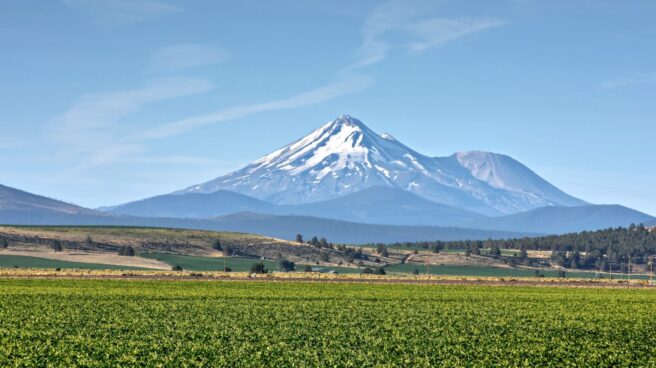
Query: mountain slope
x,y
558,220
286,227
18,200
194,205
379,205
504,172
385,205
20,207
344,156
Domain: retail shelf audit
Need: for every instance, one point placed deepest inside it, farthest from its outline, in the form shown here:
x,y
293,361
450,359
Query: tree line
x,y
612,248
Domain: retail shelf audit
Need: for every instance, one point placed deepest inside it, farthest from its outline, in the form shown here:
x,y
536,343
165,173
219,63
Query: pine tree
x,y
56,246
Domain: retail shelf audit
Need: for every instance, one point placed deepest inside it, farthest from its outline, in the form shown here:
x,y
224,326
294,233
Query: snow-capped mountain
x,y
344,156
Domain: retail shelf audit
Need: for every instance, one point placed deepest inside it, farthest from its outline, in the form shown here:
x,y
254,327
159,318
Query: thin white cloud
x,y
179,57
91,126
630,81
407,21
94,127
123,11
437,31
318,95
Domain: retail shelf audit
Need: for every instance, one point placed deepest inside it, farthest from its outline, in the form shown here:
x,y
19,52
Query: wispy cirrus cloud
x,y
175,58
321,94
93,124
634,79
123,11
437,31
94,127
419,33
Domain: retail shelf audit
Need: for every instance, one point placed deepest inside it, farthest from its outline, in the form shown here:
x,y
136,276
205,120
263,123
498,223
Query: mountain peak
x,y
344,122
345,119
344,156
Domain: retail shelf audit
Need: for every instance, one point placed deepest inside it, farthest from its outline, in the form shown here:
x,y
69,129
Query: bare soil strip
x,y
89,257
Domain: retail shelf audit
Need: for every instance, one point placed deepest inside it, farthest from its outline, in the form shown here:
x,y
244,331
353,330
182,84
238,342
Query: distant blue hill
x,y
375,205
286,227
194,205
385,205
23,208
388,206
558,220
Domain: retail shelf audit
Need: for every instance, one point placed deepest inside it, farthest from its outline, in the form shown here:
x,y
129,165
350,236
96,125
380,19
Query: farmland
x,y
236,264
245,324
13,261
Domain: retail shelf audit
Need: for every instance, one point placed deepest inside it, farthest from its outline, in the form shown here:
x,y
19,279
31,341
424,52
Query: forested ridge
x,y
601,249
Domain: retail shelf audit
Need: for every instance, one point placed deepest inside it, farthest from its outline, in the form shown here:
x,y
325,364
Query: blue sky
x,y
106,101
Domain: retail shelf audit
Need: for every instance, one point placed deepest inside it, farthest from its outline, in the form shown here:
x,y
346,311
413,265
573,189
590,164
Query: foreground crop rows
x,y
184,323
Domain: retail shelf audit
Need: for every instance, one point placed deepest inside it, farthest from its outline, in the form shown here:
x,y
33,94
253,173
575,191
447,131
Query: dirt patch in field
x,y
88,257
450,259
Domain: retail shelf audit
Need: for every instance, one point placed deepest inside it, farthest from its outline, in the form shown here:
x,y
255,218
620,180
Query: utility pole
x,y
628,272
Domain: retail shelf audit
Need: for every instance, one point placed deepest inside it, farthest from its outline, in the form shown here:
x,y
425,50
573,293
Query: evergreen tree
x,y
56,246
259,268
285,265
299,238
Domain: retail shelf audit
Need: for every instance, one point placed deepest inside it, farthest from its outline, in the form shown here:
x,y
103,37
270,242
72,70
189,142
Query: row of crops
x,y
249,324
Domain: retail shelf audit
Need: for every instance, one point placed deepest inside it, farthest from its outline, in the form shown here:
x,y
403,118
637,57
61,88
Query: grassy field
x,y
237,264
256,324
481,271
9,261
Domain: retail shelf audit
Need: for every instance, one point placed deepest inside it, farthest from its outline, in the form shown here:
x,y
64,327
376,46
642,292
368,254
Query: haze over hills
x,y
376,205
194,205
558,220
344,156
286,227
22,208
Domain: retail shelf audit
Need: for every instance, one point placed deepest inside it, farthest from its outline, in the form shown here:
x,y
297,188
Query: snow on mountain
x,y
345,156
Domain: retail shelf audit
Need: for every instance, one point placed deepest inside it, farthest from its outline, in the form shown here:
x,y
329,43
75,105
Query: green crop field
x,y
12,261
483,271
94,323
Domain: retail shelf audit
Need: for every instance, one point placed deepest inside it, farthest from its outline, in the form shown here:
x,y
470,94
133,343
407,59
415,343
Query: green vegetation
x,y
614,249
12,261
191,263
235,324
481,271
236,264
